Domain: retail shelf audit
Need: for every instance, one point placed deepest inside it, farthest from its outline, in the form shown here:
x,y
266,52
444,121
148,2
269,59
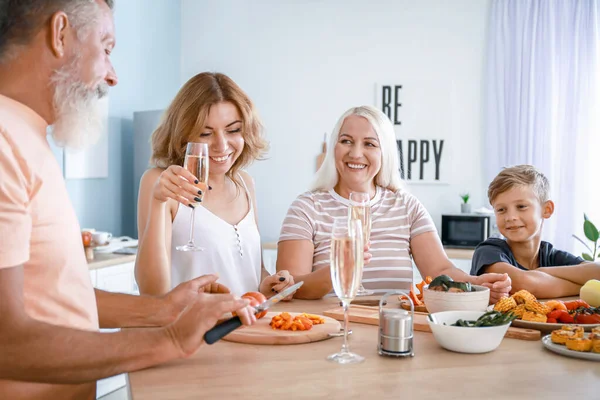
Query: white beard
x,y
79,122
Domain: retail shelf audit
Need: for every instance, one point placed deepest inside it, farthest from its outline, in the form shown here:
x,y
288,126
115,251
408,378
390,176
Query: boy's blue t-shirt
x,y
496,250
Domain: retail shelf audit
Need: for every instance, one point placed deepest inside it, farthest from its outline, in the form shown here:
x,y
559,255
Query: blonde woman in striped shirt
x,y
362,157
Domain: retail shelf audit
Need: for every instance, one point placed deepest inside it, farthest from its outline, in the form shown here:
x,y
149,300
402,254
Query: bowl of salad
x,y
469,331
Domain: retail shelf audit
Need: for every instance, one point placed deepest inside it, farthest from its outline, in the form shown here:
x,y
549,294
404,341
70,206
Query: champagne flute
x,y
360,208
196,161
346,270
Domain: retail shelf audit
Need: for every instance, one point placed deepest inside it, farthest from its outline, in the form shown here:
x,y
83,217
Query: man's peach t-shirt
x,y
38,226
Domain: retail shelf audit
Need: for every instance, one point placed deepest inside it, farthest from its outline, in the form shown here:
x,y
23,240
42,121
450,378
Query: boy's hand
x,y
499,285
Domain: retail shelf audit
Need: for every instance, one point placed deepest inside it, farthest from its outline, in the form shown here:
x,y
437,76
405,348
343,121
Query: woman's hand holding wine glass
x,y
178,184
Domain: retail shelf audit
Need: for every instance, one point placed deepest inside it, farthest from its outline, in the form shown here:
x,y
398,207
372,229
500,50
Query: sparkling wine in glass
x,y
346,271
196,161
360,208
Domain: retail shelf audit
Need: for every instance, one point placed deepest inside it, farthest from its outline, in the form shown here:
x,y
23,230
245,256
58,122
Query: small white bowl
x,y
465,340
437,301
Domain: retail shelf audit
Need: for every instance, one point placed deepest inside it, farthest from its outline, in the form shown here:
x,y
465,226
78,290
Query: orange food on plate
x,y
579,344
519,310
595,342
576,329
523,296
533,317
505,304
537,307
301,322
560,336
555,305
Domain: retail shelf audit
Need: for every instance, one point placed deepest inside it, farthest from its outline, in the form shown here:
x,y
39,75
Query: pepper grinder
x,y
395,328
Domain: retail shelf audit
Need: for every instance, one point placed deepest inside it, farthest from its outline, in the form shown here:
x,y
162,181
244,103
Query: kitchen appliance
x,y
395,328
465,230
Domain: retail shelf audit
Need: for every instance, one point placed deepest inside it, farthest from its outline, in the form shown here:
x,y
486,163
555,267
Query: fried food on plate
x,y
534,317
505,304
579,344
536,307
522,296
576,329
595,342
560,336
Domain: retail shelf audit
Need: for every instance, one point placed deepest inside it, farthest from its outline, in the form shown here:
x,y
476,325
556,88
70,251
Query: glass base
x,y
189,247
364,292
346,358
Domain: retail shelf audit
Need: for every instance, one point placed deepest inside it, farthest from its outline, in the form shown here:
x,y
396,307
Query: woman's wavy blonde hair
x,y
186,116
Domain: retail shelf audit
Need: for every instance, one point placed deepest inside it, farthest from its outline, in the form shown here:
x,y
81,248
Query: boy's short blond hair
x,y
520,175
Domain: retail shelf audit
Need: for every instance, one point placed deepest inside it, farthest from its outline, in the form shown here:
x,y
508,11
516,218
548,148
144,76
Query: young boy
x,y
520,198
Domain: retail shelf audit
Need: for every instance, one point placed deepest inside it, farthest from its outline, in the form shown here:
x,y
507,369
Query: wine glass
x,y
360,208
196,161
346,270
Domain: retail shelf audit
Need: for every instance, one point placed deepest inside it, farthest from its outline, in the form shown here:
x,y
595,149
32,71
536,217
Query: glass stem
x,y
346,305
191,241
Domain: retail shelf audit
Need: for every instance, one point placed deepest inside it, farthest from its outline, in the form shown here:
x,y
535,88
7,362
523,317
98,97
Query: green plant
x,y
592,234
465,197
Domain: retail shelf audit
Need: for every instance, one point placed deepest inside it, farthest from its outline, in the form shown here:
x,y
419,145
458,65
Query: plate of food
x,y
572,341
550,315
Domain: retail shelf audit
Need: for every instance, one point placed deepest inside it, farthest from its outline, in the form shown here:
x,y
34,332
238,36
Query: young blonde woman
x,y
362,157
210,108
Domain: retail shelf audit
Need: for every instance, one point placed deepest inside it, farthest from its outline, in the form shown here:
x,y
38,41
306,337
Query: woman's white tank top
x,y
232,251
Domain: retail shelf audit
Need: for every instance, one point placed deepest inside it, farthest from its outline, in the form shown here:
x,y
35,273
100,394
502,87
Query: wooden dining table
x,y
518,369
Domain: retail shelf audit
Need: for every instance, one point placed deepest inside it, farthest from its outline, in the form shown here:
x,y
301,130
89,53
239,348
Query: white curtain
x,y
541,90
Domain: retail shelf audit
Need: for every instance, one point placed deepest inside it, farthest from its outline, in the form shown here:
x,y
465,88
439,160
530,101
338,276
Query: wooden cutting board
x,y
370,316
262,333
406,305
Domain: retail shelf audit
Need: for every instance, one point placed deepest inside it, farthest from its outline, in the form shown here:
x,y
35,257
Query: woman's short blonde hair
x,y
518,176
389,174
186,116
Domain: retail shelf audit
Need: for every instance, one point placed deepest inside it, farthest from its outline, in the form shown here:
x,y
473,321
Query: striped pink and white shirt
x,y
396,218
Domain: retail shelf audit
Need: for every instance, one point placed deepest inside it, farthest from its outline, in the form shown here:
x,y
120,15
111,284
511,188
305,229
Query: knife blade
x,y
220,330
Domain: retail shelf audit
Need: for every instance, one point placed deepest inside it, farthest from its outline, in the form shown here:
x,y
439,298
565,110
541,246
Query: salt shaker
x,y
396,328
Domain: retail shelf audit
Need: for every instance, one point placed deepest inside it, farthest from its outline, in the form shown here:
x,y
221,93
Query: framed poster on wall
x,y
420,112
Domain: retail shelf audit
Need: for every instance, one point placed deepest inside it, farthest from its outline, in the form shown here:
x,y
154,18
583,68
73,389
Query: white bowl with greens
x,y
443,294
481,332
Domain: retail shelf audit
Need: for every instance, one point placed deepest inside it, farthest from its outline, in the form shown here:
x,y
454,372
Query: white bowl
x,y
437,301
465,340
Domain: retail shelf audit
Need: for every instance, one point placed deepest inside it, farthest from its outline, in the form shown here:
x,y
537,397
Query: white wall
x,y
304,63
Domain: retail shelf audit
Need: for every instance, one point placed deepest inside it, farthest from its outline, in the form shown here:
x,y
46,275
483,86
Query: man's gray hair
x,y
20,20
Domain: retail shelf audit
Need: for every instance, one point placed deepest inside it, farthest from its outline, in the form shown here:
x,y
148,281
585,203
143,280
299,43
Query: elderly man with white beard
x,y
54,66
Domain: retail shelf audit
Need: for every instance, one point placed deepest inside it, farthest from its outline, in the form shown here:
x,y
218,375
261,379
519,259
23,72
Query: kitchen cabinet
x,y
270,259
114,278
119,278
